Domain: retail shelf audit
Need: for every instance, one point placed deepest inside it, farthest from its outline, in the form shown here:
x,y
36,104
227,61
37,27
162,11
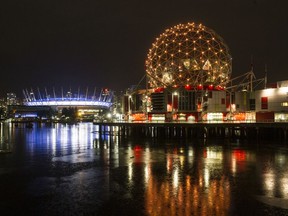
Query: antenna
x,y
252,74
78,92
70,93
265,79
100,95
39,93
46,93
54,93
86,93
33,95
94,93
251,63
25,95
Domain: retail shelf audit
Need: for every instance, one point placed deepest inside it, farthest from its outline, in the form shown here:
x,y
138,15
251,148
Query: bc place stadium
x,y
53,103
100,100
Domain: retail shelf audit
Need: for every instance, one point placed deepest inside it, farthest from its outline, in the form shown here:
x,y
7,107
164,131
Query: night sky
x,y
101,43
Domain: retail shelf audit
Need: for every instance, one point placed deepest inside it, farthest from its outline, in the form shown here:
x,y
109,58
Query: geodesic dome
x,y
188,54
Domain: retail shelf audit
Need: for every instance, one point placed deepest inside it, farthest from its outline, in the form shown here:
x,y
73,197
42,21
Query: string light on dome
x,y
200,54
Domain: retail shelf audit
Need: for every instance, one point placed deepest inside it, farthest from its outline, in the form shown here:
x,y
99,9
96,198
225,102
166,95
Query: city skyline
x,y
105,44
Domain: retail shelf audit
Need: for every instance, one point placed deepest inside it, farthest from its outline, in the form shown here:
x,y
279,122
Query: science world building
x,y
189,79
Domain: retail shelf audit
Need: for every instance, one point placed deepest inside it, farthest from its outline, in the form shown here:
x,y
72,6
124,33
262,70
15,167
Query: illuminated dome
x,y
188,55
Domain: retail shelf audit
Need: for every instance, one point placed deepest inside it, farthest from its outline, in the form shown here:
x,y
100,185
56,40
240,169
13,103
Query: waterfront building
x,y
188,79
272,102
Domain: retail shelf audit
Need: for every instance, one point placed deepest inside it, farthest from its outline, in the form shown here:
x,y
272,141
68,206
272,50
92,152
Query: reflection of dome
x,y
188,54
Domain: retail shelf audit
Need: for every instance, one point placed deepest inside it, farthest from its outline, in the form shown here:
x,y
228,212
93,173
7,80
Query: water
x,y
71,170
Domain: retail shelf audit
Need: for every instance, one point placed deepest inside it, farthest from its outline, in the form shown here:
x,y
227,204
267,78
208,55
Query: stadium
x,y
43,104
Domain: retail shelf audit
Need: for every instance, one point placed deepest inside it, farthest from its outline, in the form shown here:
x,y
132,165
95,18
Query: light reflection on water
x,y
174,178
186,192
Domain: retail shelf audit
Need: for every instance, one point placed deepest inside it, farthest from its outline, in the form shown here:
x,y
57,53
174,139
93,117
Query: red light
x,y
205,153
137,148
200,87
187,87
240,155
159,89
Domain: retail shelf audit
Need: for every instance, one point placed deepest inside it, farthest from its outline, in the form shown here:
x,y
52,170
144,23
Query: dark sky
x,y
102,43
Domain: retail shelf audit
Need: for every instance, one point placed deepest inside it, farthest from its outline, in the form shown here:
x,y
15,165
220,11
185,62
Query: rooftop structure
x,y
101,99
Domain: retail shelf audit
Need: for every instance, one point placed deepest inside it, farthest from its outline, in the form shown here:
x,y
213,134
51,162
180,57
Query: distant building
x,y
12,99
3,108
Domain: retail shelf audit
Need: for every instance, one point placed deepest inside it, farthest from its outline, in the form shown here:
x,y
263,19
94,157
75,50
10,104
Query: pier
x,y
260,131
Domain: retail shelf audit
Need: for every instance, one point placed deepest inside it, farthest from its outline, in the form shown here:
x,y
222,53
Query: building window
x,y
223,101
264,102
284,104
252,104
210,95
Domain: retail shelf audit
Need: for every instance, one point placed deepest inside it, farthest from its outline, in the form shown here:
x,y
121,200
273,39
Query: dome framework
x,y
188,55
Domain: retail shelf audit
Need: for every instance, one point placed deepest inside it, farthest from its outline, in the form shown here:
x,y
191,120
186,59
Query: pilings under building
x,y
249,131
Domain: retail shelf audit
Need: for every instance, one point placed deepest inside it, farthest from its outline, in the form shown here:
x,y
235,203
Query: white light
x,y
68,103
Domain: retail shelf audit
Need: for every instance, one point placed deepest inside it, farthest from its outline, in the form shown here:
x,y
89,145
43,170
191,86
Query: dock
x,y
239,130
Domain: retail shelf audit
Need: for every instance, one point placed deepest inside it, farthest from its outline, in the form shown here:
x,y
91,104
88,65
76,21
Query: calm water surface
x,y
71,170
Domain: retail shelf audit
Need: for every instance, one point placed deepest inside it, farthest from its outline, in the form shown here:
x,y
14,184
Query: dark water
x,y
70,170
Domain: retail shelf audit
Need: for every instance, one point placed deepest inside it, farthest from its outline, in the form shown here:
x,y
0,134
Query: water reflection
x,y
61,139
197,180
183,192
5,135
167,178
275,176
